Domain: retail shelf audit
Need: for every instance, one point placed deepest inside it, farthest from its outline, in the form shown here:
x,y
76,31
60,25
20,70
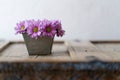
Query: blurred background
x,y
82,19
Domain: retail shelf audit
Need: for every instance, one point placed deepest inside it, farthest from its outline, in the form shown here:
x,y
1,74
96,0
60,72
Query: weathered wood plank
x,y
63,51
76,49
17,51
86,51
105,41
110,49
3,44
71,50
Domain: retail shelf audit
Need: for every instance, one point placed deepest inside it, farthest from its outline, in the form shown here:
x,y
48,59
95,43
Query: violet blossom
x,y
40,28
34,29
48,29
57,25
21,27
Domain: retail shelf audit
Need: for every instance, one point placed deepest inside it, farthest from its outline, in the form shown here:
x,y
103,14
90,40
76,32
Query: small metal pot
x,y
40,46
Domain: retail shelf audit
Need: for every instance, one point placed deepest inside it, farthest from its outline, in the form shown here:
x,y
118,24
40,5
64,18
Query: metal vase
x,y
40,46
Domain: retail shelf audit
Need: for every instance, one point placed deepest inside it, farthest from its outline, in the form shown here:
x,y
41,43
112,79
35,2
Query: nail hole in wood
x,y
85,50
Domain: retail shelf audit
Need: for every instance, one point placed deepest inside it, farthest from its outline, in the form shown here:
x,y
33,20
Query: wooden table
x,y
70,60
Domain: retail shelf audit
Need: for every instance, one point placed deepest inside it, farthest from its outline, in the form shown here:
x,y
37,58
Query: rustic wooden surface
x,y
63,51
110,49
70,60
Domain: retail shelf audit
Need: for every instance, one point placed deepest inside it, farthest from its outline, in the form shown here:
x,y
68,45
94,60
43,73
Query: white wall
x,y
82,19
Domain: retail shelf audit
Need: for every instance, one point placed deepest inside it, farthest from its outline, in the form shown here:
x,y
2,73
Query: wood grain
x,y
3,44
63,51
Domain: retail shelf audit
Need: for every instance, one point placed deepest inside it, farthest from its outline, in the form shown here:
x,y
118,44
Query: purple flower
x,y
57,25
48,29
60,33
34,29
39,28
21,27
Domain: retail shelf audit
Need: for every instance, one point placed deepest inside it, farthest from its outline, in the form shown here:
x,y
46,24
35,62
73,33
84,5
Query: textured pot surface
x,y
40,46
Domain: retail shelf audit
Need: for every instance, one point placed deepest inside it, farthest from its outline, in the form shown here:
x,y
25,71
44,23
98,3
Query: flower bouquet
x,y
39,34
